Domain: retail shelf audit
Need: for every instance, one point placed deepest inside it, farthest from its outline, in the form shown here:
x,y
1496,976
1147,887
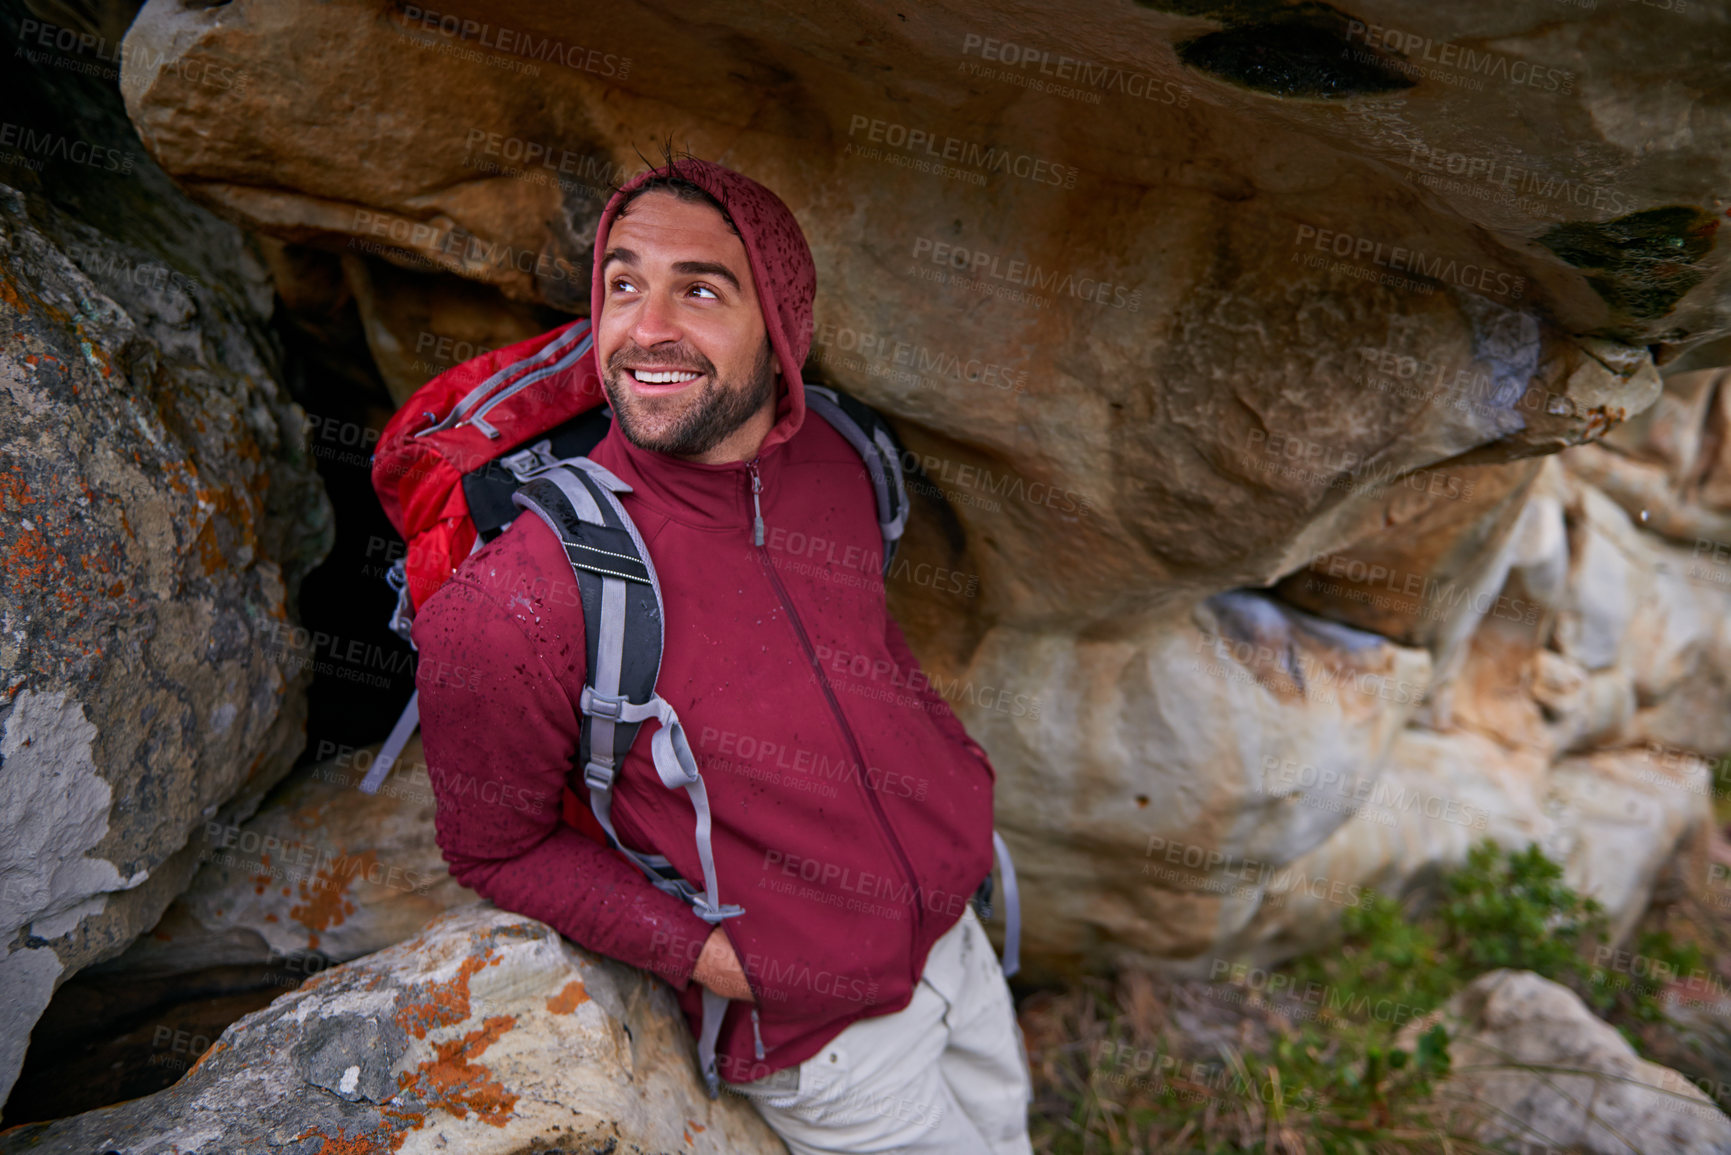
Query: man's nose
x,y
655,322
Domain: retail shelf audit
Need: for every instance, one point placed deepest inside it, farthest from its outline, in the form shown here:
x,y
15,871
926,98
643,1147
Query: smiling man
x,y
862,1008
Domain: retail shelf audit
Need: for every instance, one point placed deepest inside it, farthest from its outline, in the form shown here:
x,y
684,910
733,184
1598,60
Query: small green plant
x,y
1336,1072
1512,909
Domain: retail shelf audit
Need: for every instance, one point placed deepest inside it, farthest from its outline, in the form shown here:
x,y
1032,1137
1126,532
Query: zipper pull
x,y
756,1035
757,523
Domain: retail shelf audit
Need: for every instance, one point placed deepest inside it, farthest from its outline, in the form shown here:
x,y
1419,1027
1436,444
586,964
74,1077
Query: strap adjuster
x,y
605,706
598,775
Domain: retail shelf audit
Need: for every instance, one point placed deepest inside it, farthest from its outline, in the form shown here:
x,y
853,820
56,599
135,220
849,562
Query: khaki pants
x,y
947,1074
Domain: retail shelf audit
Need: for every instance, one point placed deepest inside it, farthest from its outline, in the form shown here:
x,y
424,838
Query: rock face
x,y
1533,1066
1226,340
321,869
487,1033
159,511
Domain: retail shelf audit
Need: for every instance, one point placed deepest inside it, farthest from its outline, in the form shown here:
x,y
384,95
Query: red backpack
x,y
461,421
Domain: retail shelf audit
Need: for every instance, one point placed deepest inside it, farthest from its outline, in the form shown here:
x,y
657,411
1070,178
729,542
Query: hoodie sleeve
x,y
936,706
499,733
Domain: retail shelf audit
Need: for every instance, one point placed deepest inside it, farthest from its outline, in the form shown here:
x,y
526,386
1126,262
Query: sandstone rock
x,y
1156,779
1531,1065
320,869
487,1033
418,326
160,511
1161,434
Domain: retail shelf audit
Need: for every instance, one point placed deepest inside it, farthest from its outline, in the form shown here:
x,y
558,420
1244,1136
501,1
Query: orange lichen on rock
x,y
454,1083
343,1145
573,996
324,897
446,1003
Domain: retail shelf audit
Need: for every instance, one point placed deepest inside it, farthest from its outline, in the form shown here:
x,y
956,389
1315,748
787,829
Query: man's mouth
x,y
663,380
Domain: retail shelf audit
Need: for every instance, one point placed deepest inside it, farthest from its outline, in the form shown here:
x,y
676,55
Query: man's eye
x,y
622,284
705,289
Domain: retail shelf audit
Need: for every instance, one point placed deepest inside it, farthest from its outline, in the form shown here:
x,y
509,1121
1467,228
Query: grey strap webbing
x,y
575,500
881,457
1012,960
407,723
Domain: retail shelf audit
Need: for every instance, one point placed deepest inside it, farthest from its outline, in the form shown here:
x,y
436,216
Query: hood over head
x,y
781,267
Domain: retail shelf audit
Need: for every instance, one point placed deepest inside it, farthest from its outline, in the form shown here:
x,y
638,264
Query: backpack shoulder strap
x,y
622,625
865,429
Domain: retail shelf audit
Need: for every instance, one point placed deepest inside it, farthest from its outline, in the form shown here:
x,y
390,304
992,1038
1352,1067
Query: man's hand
x,y
718,968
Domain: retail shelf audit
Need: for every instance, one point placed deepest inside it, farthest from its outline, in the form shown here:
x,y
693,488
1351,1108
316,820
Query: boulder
x,y
161,509
486,1033
322,869
1532,1068
1151,783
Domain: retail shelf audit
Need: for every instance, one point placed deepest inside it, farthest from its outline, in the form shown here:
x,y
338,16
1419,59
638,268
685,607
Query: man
x,y
852,814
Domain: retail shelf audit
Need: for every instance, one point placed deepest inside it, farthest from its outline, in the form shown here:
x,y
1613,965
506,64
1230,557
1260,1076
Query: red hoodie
x,y
852,813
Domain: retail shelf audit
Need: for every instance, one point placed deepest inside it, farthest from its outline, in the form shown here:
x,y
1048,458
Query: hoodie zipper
x,y
834,705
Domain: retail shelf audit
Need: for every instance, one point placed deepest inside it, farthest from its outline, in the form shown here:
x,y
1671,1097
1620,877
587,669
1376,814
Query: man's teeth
x,y
664,376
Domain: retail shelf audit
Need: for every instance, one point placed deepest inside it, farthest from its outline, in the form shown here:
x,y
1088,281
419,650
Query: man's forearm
x,y
595,899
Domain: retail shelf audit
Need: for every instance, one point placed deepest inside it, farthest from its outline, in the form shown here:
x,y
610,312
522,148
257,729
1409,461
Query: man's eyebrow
x,y
707,269
625,255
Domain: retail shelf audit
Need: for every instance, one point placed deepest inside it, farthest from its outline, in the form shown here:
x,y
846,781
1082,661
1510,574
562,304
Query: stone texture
x,y
321,868
486,1033
160,510
1530,1064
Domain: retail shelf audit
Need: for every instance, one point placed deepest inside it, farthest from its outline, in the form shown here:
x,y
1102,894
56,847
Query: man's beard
x,y
718,410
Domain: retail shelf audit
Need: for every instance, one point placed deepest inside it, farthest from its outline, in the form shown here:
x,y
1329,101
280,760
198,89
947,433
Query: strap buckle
x,y
527,463
598,775
608,706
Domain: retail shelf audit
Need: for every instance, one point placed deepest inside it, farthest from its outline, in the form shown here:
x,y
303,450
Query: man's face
x,y
684,354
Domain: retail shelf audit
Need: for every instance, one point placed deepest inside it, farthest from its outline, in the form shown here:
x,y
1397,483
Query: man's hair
x,y
665,178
